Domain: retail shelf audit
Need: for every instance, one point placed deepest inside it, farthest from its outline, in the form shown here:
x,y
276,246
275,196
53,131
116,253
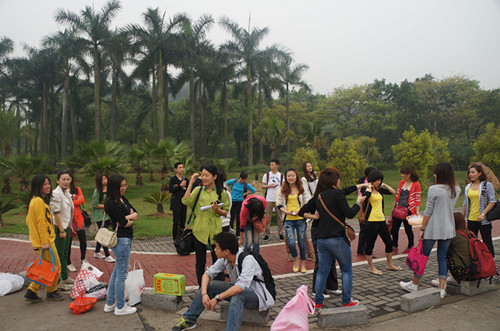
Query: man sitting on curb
x,y
242,292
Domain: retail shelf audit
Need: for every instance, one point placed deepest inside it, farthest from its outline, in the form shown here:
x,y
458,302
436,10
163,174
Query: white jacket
x,y
61,203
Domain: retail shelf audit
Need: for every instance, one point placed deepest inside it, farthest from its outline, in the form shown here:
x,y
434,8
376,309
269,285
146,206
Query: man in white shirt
x,y
271,182
244,291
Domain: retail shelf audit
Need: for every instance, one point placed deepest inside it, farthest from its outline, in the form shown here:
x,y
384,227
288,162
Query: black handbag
x,y
184,243
87,220
494,213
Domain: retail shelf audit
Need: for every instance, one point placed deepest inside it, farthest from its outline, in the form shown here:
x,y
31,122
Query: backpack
x,y
266,272
483,264
245,186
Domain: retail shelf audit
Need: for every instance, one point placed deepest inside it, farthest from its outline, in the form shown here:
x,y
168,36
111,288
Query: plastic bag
x,y
82,305
86,278
134,285
416,259
99,292
10,283
294,316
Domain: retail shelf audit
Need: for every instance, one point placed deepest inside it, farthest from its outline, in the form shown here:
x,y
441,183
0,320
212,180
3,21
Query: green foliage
x,y
23,167
421,151
101,157
345,155
302,155
487,148
158,199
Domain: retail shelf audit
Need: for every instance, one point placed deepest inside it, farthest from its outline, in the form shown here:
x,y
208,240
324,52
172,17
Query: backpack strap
x,y
194,206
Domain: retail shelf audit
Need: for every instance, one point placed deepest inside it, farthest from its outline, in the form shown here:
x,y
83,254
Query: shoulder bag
x,y
43,272
87,220
106,237
184,243
351,235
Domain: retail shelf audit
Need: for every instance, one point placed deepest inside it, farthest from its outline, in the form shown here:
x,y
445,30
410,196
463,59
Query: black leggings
x,y
235,215
374,229
97,245
396,224
179,212
201,257
82,238
476,226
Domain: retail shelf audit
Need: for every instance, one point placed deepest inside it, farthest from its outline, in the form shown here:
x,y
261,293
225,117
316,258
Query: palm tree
x,y
9,130
5,206
169,152
6,47
158,199
138,162
23,167
95,26
5,173
102,157
273,132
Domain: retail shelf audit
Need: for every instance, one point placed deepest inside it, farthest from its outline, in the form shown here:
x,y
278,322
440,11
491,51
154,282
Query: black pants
x,y
332,283
374,229
201,258
396,224
485,233
235,215
361,238
97,245
179,212
82,238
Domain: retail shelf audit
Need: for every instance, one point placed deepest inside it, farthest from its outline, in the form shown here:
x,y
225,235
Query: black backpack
x,y
266,272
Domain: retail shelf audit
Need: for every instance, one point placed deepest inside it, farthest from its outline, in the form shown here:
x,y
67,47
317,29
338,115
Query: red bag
x,y
483,263
260,225
416,259
43,272
400,212
82,304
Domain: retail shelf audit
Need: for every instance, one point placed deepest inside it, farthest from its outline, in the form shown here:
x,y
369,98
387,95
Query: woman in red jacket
x,y
78,200
408,195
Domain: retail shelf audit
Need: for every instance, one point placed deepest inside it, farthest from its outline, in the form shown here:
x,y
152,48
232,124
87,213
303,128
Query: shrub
x,y
345,155
487,148
303,154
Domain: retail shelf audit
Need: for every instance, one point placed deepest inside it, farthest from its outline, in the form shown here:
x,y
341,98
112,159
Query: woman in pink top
x,y
253,208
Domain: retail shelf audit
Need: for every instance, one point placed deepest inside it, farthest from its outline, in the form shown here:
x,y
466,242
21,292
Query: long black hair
x,y
72,187
114,183
306,174
218,182
99,187
255,208
36,188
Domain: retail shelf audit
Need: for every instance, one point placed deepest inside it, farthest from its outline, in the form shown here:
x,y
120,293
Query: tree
x,y
158,199
169,152
138,162
345,155
487,148
421,151
102,157
23,167
9,123
369,149
5,206
95,25
302,155
273,132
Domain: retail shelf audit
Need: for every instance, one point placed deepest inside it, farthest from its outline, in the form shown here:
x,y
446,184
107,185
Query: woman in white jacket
x,y
290,198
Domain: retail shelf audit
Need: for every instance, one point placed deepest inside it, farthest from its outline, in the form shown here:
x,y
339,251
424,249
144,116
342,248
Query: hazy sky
x,y
344,42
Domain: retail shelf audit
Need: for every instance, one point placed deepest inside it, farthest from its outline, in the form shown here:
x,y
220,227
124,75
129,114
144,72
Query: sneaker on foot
x,y
318,305
442,293
32,297
64,287
99,255
183,324
336,292
68,281
326,296
281,237
266,237
54,296
408,286
125,310
109,308
110,259
71,268
352,303
435,282
85,260
452,281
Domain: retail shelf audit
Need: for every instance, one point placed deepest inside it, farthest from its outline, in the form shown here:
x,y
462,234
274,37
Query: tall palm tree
x,y
273,132
95,26
6,47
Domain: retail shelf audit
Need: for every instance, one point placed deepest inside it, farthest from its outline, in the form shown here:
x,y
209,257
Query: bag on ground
x,y
82,305
43,272
135,284
294,316
86,278
184,243
483,264
10,283
416,259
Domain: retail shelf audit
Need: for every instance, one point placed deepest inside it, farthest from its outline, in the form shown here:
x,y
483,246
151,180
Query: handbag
x,y
294,316
351,235
260,225
184,243
416,259
135,284
43,272
87,220
82,305
106,237
494,213
400,212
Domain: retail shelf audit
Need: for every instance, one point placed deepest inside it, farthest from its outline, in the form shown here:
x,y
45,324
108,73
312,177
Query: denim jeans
x,y
329,249
290,227
246,299
251,239
116,288
442,249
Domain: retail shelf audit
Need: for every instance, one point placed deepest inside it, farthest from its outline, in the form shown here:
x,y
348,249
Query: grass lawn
x,y
150,224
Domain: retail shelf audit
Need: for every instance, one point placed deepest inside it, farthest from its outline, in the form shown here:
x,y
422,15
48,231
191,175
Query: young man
x,y
177,187
242,292
239,191
271,182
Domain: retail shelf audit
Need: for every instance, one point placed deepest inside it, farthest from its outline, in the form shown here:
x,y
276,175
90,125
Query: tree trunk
x,y
6,189
154,114
191,111
151,176
97,96
114,91
138,179
203,119
52,131
165,103
224,108
161,121
261,145
250,117
74,128
64,117
43,121
159,208
287,103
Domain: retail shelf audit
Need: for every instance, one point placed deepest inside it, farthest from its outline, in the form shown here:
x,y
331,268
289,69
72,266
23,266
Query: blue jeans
x,y
251,239
116,288
329,249
246,299
442,249
290,227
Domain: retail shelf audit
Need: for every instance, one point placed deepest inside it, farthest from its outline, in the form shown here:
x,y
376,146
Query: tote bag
x,y
43,272
416,259
294,316
135,284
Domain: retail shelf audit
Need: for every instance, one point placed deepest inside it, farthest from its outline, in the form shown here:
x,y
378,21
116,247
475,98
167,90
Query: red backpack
x,y
483,263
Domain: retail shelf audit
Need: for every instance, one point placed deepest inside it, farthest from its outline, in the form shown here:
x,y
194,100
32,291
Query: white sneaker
x,y
336,292
109,259
99,255
85,260
126,310
109,309
408,286
326,296
442,293
68,281
435,282
71,268
449,280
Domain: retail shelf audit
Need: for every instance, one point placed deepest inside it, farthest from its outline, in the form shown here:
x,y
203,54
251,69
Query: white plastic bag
x,y
134,285
85,279
10,283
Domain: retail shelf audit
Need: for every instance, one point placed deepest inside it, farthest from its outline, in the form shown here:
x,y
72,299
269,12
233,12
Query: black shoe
x,y
266,237
281,237
32,297
54,296
183,324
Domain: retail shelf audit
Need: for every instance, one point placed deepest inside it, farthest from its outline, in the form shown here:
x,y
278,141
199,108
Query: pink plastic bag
x,y
416,259
294,316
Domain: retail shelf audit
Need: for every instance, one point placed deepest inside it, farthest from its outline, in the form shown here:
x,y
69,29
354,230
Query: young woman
x,y
309,183
362,225
62,208
479,198
41,233
438,223
78,200
207,222
253,209
408,195
291,197
98,198
122,215
332,242
375,220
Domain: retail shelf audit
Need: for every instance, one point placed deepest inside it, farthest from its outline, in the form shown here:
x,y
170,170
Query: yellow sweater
x,y
40,224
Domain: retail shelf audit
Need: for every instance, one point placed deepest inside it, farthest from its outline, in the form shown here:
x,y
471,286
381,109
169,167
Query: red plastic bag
x,y
82,304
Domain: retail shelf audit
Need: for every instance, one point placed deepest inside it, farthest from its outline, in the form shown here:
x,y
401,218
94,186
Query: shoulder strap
x,y
267,178
194,206
329,212
241,257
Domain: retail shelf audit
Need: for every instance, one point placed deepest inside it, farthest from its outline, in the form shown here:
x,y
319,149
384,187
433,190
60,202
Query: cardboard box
x,y
169,284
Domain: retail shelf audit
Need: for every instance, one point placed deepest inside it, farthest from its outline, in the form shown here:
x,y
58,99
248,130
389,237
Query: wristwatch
x,y
217,297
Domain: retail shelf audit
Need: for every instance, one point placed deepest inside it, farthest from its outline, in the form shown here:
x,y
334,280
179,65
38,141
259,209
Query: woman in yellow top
x,y
42,235
290,198
207,222
376,225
